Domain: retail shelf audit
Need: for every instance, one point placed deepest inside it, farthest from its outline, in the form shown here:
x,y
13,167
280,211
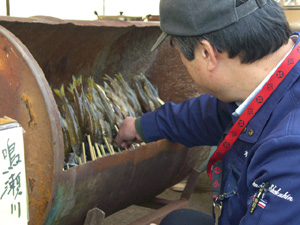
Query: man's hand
x,y
127,133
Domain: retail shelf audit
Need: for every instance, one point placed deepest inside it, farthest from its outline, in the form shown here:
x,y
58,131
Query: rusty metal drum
x,y
40,53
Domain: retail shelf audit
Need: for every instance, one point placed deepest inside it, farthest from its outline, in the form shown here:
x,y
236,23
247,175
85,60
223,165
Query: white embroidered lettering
x,y
258,186
276,191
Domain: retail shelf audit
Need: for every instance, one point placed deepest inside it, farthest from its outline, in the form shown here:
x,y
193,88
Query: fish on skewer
x,y
117,90
147,104
71,121
66,138
151,91
118,115
96,113
131,96
106,133
93,95
109,114
76,89
125,109
90,121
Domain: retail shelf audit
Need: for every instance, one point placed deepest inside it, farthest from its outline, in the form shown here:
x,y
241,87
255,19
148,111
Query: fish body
x,y
78,104
109,114
151,91
66,138
88,117
118,115
72,122
125,109
147,104
131,96
116,89
93,95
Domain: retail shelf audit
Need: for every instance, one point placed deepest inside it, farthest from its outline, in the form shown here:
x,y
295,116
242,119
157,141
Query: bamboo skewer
x,y
91,147
79,160
108,146
160,101
112,148
102,150
117,129
83,151
95,157
98,151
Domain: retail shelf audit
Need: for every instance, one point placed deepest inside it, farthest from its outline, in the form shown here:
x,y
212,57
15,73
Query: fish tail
x,y
71,88
74,81
79,80
56,91
62,91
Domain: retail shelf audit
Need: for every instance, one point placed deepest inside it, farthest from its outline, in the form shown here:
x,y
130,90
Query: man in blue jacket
x,y
242,53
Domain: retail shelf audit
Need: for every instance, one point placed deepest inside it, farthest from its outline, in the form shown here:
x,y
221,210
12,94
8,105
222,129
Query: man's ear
x,y
209,53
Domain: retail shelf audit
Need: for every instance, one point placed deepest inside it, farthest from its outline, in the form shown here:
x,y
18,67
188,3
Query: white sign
x,y
13,187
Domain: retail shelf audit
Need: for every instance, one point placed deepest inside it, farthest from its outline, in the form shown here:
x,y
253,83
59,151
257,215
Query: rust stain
x,y
32,115
31,183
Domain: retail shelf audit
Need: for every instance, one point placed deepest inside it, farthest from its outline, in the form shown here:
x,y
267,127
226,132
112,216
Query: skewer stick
x,y
98,151
94,152
160,101
107,145
83,151
116,127
112,148
102,150
79,160
91,147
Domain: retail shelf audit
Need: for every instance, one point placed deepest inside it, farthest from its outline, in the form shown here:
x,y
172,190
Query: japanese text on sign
x,y
13,189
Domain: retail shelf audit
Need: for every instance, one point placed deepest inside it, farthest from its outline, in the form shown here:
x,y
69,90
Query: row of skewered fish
x,y
90,115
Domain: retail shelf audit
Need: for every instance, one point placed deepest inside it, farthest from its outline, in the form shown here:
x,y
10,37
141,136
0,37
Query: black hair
x,y
251,38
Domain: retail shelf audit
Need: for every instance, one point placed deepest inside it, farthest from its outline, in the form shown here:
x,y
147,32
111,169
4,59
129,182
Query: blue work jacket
x,y
267,151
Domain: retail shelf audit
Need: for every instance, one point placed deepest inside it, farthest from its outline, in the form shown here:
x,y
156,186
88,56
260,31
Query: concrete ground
x,y
200,200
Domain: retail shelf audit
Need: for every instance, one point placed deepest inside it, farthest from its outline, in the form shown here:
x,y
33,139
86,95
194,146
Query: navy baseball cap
x,y
197,17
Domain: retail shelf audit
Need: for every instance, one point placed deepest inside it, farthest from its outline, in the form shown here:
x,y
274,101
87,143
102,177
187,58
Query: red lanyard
x,y
254,106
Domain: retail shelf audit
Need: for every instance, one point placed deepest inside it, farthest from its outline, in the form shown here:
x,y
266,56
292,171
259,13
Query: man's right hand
x,y
127,133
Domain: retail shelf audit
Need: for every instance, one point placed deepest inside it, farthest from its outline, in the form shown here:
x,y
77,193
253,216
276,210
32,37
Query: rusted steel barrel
x,y
25,96
41,53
